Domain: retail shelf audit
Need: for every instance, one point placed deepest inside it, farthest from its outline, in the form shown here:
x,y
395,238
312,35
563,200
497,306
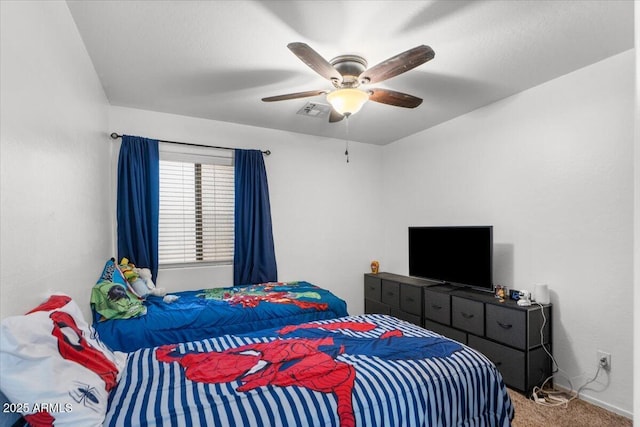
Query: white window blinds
x,y
196,207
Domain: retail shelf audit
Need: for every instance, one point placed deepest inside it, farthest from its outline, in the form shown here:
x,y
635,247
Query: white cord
x,y
556,401
544,322
588,382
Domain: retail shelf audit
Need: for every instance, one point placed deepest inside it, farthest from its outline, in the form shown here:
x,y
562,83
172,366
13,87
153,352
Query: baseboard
x,y
599,403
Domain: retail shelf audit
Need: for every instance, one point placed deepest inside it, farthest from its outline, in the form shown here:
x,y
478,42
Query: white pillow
x,y
52,367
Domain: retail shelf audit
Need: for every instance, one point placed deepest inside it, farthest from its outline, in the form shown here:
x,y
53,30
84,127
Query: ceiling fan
x,y
348,72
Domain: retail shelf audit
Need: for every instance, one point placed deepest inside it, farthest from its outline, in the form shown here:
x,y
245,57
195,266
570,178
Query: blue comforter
x,y
206,313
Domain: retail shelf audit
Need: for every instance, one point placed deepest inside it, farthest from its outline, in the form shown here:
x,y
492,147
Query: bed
x,y
368,370
205,313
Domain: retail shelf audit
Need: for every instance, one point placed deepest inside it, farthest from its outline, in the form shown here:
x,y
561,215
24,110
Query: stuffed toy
x,y
128,270
145,285
140,279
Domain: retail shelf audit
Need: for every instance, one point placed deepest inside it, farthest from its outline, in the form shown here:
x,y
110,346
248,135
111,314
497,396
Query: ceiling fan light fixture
x,y
347,101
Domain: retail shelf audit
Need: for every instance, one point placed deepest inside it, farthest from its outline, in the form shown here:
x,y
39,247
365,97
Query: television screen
x,y
460,255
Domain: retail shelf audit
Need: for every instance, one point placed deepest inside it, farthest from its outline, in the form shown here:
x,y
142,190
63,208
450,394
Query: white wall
x,y
636,304
551,169
325,212
55,211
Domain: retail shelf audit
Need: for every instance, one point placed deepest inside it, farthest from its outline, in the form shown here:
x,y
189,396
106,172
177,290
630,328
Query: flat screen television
x,y
459,255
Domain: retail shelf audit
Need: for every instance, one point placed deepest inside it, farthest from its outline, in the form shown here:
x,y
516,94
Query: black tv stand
x,y
508,334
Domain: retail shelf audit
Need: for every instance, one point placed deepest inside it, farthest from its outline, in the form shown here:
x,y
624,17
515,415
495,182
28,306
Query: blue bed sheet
x,y
368,370
206,313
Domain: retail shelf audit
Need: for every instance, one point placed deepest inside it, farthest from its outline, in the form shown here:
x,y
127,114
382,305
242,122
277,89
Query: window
x,y
196,206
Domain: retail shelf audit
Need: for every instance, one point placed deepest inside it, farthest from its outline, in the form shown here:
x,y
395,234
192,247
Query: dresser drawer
x,y
391,293
509,362
411,299
468,315
507,325
437,306
447,331
375,307
372,288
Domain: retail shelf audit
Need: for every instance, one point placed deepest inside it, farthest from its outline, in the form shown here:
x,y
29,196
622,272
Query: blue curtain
x,y
139,202
254,255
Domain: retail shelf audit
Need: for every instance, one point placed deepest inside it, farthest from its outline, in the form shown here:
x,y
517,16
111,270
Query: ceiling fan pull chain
x,y
346,150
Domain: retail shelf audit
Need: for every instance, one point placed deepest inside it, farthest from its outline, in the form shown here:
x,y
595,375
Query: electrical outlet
x,y
604,360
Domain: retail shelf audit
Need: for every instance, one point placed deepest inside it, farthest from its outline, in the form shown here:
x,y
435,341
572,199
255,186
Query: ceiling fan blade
x,y
398,64
397,99
294,95
334,116
315,61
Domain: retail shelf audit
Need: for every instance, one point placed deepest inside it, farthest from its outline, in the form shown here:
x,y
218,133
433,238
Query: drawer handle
x,y
467,316
390,294
409,299
437,307
497,363
502,325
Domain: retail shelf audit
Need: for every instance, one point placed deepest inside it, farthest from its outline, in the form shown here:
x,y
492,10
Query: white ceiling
x,y
217,59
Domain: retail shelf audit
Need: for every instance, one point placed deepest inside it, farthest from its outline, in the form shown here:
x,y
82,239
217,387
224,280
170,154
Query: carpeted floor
x,y
578,413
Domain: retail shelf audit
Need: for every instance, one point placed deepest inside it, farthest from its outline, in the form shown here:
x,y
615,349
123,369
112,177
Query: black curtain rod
x,y
116,136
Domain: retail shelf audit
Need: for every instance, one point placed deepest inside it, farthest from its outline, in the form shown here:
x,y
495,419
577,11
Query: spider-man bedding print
x,y
74,347
305,361
55,367
277,293
371,370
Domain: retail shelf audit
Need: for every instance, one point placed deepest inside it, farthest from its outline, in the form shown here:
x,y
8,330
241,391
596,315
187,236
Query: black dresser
x,y
508,334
